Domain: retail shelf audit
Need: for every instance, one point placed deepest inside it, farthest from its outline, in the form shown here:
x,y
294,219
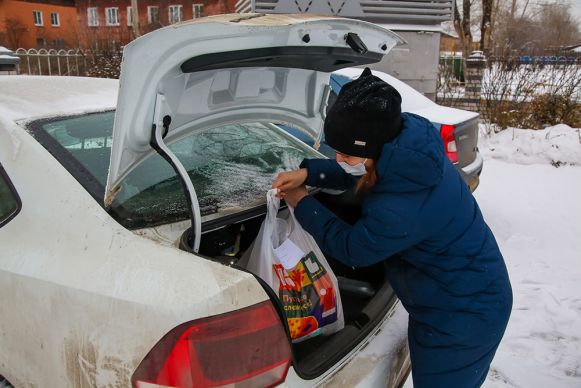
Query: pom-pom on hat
x,y
365,116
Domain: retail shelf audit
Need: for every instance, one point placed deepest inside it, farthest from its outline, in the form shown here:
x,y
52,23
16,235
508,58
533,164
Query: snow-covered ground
x,y
534,210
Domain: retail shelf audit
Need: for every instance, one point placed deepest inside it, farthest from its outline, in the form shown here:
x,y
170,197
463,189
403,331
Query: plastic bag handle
x,y
272,207
293,222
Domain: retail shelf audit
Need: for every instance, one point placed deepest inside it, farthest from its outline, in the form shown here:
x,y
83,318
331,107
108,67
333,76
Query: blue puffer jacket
x,y
443,261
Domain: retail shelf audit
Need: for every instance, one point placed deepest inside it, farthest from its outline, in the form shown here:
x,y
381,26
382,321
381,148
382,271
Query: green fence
x,y
452,67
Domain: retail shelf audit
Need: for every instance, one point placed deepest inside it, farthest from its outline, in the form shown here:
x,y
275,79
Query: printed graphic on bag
x,y
308,296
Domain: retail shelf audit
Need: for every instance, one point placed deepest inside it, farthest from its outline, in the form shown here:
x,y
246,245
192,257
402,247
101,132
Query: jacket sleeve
x,y
372,239
327,174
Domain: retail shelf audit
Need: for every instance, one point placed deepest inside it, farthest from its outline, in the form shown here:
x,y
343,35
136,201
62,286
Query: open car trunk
x,y
210,92
365,292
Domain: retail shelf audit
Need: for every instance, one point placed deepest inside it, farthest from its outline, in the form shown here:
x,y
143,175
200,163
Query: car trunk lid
x,y
466,135
232,68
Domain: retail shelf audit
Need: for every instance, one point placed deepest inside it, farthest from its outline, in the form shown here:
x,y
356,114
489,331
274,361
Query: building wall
x,y
452,44
449,43
103,36
17,27
416,62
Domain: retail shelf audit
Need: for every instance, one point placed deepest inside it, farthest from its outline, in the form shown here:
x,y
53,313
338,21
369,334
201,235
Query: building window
x,y
153,14
54,19
58,43
198,10
37,15
112,16
129,16
92,17
175,14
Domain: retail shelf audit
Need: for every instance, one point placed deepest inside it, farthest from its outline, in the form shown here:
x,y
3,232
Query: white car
x,y
458,128
126,209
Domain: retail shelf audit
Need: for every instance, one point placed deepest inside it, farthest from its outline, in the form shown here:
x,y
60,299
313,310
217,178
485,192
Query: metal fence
x,y
52,62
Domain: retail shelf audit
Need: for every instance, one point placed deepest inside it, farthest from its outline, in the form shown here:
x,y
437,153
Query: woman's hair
x,y
367,181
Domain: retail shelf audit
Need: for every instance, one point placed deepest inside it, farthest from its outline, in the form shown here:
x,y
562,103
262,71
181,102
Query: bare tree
x,y
527,28
564,29
486,26
462,27
15,31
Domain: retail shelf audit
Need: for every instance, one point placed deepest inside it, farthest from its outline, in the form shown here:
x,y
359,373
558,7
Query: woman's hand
x,y
293,196
286,181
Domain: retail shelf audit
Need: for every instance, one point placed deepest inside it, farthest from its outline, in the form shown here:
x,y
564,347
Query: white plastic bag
x,y
289,260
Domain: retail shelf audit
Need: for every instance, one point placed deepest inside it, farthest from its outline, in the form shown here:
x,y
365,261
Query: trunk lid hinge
x,y
159,130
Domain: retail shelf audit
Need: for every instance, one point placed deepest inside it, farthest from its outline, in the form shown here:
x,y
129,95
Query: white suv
x,y
125,217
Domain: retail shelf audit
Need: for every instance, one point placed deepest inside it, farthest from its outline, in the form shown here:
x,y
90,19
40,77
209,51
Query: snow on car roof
x,y
414,101
411,98
31,97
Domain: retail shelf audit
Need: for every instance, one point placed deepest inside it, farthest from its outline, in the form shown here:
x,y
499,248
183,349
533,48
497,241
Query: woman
x,y
417,214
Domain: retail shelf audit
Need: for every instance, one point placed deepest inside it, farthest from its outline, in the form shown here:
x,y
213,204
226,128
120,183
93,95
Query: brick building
x,y
449,43
108,23
38,24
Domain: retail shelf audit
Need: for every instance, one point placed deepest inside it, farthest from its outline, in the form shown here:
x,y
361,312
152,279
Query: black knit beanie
x,y
366,115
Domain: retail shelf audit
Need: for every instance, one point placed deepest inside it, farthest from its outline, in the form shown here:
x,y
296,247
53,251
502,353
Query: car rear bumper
x,y
381,360
471,172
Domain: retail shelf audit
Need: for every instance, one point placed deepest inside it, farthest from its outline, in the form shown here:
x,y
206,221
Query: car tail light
x,y
243,348
447,133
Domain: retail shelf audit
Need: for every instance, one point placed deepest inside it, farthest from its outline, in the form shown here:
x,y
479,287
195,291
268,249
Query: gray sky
x,y
576,8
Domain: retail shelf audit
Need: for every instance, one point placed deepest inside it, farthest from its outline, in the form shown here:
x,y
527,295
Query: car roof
x,y
31,97
411,98
415,102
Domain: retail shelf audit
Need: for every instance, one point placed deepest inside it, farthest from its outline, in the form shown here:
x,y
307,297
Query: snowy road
x,y
534,210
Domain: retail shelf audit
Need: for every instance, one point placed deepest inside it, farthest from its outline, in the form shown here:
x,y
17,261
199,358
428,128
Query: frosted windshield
x,y
231,167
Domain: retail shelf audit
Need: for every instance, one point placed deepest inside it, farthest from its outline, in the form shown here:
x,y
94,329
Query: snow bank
x,y
558,145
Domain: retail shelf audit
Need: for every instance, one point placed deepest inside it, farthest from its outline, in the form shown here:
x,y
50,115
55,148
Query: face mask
x,y
357,170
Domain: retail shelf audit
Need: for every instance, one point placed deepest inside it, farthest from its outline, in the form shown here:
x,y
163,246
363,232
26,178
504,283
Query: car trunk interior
x,y
366,295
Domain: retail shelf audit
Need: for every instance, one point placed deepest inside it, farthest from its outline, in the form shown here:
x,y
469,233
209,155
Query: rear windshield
x,y
231,167
9,201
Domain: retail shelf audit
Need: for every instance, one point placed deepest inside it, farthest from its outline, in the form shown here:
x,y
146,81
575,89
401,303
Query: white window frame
x,y
112,16
180,14
56,22
197,10
38,14
149,18
92,16
130,16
